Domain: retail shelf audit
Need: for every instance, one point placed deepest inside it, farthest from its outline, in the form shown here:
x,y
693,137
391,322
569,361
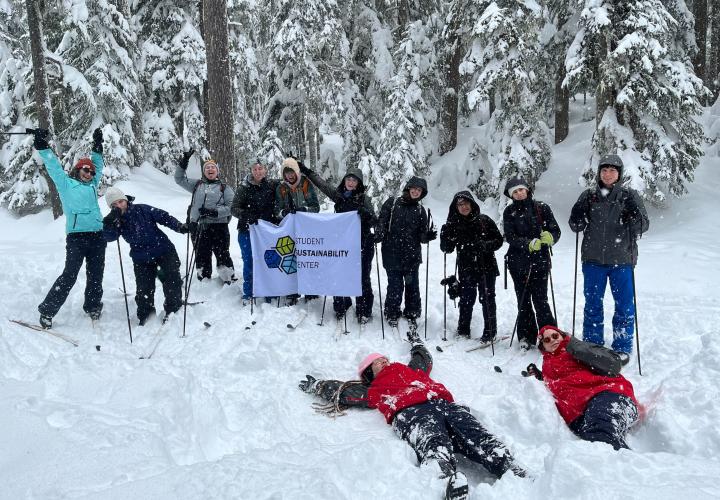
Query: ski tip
x,y
253,322
497,369
290,327
97,348
206,324
439,349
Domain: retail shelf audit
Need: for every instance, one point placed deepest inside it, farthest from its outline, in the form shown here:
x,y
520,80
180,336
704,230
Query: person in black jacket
x,y
403,226
530,230
254,200
152,252
348,196
476,238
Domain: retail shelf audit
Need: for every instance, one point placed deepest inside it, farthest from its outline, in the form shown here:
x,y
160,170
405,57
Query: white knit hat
x,y
112,195
515,188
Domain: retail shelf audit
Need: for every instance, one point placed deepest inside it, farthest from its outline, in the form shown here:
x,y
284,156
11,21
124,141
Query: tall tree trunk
x,y
562,107
204,97
42,94
713,66
219,128
700,10
136,122
449,112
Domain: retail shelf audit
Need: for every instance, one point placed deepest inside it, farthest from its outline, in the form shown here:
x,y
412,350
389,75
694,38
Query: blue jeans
x,y
246,251
623,323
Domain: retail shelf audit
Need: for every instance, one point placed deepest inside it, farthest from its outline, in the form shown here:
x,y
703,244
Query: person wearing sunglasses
x,y
421,411
593,398
78,191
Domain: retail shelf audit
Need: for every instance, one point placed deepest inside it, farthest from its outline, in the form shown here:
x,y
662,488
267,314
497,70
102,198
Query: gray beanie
x,y
112,195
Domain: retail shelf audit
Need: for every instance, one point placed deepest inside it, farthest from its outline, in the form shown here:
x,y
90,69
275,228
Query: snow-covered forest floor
x,y
218,414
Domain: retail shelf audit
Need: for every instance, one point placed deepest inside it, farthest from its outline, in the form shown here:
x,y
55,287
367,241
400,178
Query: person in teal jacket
x,y
78,192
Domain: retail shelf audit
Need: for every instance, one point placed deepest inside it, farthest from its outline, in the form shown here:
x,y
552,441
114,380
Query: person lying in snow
x,y
597,402
421,412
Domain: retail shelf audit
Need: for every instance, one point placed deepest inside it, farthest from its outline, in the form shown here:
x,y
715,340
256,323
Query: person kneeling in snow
x,y
153,254
597,402
421,411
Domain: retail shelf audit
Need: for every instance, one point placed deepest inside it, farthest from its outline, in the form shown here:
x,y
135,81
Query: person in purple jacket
x,y
152,252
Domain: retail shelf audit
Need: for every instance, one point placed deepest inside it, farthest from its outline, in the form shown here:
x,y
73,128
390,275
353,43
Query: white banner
x,y
310,254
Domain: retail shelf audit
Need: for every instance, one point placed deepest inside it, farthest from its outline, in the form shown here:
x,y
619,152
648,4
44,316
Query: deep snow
x,y
218,414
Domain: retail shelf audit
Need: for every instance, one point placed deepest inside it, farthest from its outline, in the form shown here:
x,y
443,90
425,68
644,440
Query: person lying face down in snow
x,y
597,402
421,412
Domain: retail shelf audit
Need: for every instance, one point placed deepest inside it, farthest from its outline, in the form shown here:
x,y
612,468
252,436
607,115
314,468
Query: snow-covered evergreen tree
x,y
647,92
503,60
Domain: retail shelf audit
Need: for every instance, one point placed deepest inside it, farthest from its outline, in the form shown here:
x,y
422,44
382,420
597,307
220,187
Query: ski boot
x,y
46,321
457,487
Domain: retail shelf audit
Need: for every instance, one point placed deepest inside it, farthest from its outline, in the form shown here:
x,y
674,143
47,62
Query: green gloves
x,y
535,245
546,238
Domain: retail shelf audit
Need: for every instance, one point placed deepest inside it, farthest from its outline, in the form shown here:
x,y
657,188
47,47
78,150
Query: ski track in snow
x,y
218,414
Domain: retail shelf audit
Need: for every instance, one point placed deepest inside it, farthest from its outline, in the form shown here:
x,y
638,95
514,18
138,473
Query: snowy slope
x,y
218,413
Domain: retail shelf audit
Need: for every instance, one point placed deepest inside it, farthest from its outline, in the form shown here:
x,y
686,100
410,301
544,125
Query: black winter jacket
x,y
476,238
346,201
522,222
403,224
254,202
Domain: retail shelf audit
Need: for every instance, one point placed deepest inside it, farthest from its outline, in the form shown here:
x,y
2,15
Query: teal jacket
x,y
79,199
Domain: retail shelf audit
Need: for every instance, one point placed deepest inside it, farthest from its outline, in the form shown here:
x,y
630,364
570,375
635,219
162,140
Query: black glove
x,y
98,141
430,234
532,371
286,211
251,220
113,218
630,211
192,227
301,209
183,228
41,135
453,286
379,236
207,212
184,160
309,384
578,216
303,169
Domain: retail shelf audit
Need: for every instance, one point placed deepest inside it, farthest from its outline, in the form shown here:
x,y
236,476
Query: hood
x,y
355,172
611,160
453,211
292,164
516,181
417,182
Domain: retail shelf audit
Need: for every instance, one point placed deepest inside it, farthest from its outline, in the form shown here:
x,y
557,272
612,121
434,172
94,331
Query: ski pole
x,y
382,320
520,303
190,276
427,272
444,297
28,131
577,242
637,328
322,314
552,288
122,275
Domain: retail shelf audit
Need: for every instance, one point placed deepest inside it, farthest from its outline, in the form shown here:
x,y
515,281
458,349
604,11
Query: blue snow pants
x,y
607,418
623,322
438,429
247,258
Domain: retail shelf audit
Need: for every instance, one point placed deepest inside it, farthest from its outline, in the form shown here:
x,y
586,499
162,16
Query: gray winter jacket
x,y
213,195
611,225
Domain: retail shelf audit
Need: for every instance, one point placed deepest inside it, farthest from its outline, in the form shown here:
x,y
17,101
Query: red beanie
x,y
550,327
85,162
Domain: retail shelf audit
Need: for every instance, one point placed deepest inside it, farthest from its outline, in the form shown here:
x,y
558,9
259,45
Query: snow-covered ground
x,y
218,414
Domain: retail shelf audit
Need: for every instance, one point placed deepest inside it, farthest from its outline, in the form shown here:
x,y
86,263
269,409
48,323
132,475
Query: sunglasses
x,y
553,336
88,171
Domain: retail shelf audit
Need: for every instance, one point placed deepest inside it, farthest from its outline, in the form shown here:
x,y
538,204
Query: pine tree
x,y
647,94
504,64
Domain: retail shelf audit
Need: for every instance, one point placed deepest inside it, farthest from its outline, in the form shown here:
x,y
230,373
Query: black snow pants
x,y
607,418
79,247
166,268
399,281
213,239
364,303
438,429
481,285
535,296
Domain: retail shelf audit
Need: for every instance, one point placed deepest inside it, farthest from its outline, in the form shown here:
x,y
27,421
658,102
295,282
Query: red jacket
x,y
573,384
398,386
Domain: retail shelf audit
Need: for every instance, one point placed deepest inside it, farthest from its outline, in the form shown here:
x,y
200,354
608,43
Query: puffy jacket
x,y
522,222
348,201
395,388
403,222
610,228
213,195
574,383
254,201
138,227
475,237
79,199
